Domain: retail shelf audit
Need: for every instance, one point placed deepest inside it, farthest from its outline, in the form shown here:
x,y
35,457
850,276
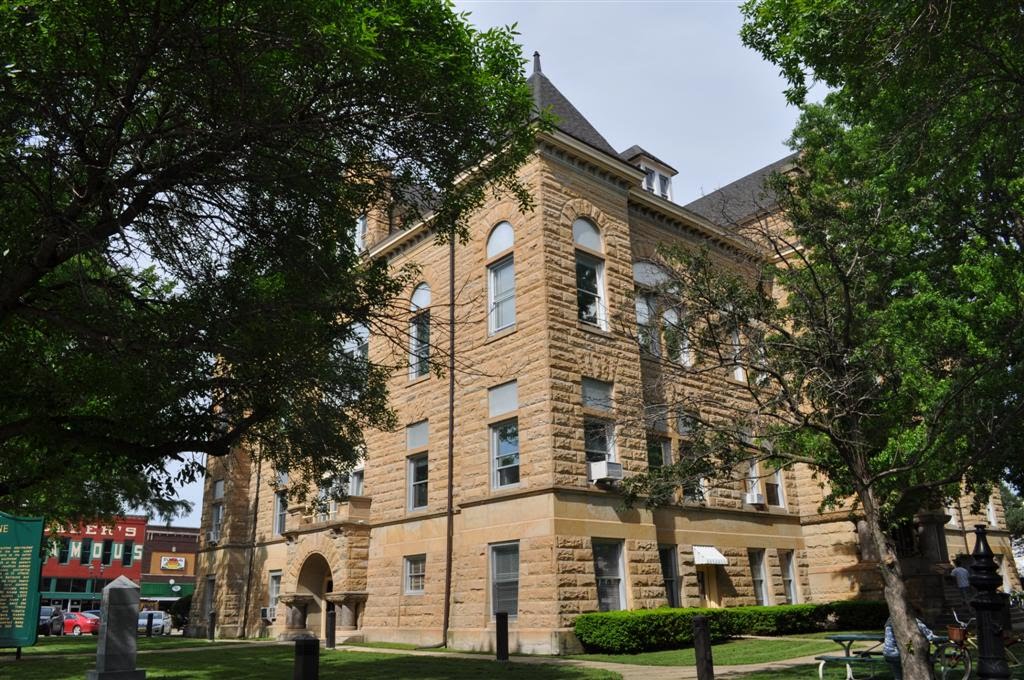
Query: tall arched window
x,y
589,274
501,279
419,332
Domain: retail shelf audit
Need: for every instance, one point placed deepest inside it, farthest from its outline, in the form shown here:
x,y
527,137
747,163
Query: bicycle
x,y
953,659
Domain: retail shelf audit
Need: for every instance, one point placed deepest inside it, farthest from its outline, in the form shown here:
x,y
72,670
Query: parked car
x,y
51,620
76,623
92,612
161,622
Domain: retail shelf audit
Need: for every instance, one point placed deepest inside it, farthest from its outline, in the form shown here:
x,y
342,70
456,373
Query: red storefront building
x,y
88,557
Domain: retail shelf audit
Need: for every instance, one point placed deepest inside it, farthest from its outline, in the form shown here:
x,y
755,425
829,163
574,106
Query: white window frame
x,y
621,576
778,482
787,565
359,233
759,583
216,519
493,299
672,322
280,512
273,591
648,331
495,580
415,567
356,481
419,343
595,262
496,467
218,489
739,371
753,476
413,483
592,454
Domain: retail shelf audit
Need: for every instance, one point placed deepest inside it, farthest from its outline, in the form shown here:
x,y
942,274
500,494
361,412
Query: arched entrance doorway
x,y
315,580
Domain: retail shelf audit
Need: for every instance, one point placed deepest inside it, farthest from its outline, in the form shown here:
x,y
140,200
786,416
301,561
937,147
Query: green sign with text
x,y
20,541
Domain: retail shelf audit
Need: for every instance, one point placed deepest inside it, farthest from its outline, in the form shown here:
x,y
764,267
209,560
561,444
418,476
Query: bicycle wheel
x,y
952,662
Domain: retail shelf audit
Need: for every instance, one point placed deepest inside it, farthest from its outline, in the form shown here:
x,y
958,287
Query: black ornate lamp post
x,y
988,605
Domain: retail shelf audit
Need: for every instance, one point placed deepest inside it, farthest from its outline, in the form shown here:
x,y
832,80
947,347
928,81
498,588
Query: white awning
x,y
706,554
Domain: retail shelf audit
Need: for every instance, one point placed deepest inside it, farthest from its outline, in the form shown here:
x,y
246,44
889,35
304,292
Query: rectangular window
x,y
756,558
504,435
216,519
659,452
597,394
280,512
126,558
208,594
505,452
990,514
419,344
788,575
415,574
218,489
589,284
753,477
598,440
739,371
108,552
86,551
282,477
677,342
64,551
273,591
650,179
417,435
664,186
502,291
773,490
647,333
418,471
505,579
669,573
359,234
355,482
608,573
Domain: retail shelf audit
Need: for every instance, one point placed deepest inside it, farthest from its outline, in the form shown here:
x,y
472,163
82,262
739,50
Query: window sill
x,y
418,379
498,335
591,328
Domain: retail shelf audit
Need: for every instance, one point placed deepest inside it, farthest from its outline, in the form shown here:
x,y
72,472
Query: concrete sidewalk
x,y
628,671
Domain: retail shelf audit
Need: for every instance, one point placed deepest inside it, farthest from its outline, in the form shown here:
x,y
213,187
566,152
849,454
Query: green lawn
x,y
86,644
231,661
735,652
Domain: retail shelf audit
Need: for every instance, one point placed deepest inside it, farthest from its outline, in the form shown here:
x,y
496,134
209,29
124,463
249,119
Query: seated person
x,y
891,651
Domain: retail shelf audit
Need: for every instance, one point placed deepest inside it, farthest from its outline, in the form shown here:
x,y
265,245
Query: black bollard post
x,y
149,624
211,625
307,659
702,649
332,615
501,635
988,607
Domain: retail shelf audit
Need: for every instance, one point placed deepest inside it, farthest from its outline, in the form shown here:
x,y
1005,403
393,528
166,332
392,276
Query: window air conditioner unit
x,y
604,471
213,536
754,499
267,614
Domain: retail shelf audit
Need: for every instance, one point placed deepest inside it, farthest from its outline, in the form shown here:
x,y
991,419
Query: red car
x,y
76,623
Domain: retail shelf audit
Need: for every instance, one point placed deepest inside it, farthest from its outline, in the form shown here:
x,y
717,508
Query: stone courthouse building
x,y
560,366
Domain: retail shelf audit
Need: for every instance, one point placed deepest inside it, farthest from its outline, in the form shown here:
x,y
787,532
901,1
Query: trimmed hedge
x,y
647,630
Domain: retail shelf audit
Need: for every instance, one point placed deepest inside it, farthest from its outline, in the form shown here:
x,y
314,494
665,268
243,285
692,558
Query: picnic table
x,y
869,657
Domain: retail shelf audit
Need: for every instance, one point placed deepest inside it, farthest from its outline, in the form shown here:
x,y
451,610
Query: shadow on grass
x,y
227,662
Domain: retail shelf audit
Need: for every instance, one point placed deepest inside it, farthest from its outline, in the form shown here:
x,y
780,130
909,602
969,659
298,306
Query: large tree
x,y
179,185
883,328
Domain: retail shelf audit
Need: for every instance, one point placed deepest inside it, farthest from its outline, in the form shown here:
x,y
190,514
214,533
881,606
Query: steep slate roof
x,y
570,121
632,152
737,202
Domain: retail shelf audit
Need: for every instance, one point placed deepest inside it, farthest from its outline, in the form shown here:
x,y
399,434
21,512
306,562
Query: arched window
x,y
501,279
589,274
419,332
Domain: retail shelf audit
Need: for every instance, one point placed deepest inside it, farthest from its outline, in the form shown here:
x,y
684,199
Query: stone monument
x,y
115,649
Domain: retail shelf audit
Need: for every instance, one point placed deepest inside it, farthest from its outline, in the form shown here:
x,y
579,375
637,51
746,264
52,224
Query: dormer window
x,y
657,182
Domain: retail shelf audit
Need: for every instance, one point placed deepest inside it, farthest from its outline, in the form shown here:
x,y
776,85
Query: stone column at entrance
x,y
348,603
295,621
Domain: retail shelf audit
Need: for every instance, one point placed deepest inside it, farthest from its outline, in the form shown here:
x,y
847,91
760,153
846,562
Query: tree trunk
x,y
914,648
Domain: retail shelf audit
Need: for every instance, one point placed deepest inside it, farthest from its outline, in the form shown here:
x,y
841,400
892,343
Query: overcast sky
x,y
669,75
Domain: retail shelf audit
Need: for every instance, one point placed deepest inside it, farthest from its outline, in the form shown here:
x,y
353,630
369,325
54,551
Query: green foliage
x,y
631,632
1013,506
179,610
179,184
